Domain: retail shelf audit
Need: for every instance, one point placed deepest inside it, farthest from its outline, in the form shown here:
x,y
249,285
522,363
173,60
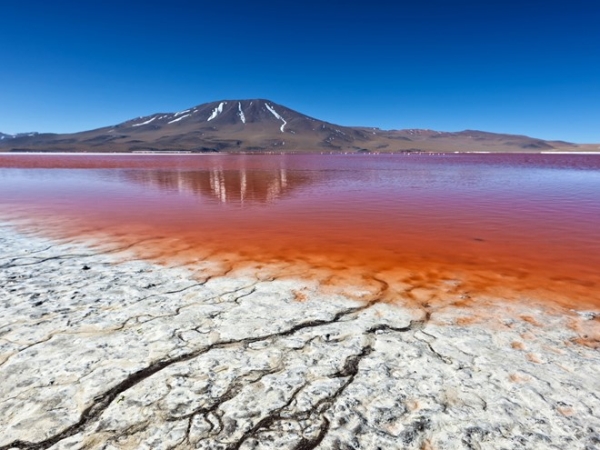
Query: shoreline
x,y
100,347
250,153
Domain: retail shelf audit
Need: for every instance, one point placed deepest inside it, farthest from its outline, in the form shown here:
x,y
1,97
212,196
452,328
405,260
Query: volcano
x,y
260,125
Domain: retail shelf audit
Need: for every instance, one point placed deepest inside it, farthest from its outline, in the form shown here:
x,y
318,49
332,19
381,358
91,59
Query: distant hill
x,y
264,126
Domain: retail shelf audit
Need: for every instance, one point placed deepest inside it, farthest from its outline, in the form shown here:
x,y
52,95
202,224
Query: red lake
x,y
420,228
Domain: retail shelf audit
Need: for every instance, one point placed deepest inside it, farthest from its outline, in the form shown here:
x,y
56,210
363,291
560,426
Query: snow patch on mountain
x,y
179,118
181,112
277,116
218,110
144,123
241,113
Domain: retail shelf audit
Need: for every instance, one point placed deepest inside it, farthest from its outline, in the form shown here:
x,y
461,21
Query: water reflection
x,y
232,186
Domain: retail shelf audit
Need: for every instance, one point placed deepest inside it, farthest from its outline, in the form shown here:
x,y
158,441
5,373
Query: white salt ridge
x,y
218,110
144,123
179,118
277,116
241,113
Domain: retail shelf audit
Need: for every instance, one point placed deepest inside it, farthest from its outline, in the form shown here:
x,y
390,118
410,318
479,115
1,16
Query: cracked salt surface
x,y
102,350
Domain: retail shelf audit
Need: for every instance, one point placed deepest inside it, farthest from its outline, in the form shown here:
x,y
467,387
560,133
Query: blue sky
x,y
529,67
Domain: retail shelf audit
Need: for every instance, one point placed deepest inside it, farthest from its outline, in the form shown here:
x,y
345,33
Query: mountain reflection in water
x,y
235,187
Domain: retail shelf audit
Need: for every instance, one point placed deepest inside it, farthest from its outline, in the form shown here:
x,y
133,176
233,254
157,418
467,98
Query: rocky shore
x,y
101,350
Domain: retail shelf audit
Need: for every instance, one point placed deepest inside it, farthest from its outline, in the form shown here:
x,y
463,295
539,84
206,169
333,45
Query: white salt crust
x,y
99,351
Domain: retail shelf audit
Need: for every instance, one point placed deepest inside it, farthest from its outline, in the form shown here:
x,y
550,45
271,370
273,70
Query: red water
x,y
418,228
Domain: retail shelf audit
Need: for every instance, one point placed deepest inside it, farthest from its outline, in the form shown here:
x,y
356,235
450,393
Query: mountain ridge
x,y
261,125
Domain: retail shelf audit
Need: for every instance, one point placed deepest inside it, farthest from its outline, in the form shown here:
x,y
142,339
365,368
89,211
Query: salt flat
x,y
101,350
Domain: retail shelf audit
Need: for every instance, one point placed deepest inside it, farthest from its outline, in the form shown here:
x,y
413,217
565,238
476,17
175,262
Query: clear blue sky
x,y
528,67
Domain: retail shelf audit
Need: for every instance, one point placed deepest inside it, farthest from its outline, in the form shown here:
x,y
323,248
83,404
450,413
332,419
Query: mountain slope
x,y
263,126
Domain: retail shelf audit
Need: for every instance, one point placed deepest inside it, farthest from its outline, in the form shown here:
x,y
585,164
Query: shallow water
x,y
421,227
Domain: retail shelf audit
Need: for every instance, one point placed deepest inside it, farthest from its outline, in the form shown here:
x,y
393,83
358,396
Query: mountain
x,y
264,126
